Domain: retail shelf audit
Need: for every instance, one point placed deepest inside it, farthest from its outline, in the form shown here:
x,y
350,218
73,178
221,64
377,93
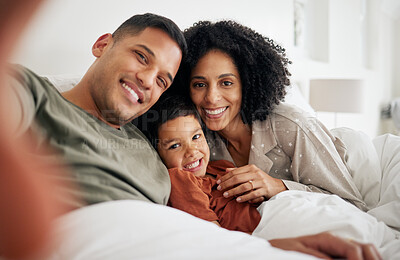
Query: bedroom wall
x,y
396,59
59,40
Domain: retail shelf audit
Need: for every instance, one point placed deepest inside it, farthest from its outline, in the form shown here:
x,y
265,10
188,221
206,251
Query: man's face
x,y
131,74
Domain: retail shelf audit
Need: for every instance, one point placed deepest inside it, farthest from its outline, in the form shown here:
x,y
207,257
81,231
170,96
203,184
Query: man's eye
x,y
196,136
141,57
162,83
174,146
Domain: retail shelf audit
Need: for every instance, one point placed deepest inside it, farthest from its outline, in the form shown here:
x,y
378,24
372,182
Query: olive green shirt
x,y
105,163
294,146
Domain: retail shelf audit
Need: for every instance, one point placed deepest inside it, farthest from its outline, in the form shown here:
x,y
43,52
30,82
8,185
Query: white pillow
x,y
294,97
363,163
64,82
388,208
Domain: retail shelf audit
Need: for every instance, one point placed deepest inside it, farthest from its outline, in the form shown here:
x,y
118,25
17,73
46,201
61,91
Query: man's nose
x,y
147,78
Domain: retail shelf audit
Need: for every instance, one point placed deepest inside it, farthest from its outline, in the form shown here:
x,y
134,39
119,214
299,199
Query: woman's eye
x,y
174,146
199,85
196,136
227,83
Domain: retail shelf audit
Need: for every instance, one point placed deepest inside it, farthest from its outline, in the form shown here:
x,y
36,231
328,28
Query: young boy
x,y
177,135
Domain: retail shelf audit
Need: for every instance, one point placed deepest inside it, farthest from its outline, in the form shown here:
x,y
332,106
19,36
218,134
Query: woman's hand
x,y
249,183
326,246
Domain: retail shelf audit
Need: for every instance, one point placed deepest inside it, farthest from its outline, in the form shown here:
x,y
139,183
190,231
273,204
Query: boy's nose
x,y
191,150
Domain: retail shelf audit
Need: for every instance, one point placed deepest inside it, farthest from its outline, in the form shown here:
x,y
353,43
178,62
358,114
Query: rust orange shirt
x,y
200,197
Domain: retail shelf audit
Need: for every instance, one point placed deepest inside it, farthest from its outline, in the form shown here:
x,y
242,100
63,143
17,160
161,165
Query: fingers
x,y
339,247
233,172
325,245
297,244
313,252
333,246
243,189
253,196
237,176
236,183
247,192
369,251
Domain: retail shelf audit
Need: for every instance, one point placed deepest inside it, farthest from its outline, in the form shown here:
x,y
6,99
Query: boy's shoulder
x,y
219,166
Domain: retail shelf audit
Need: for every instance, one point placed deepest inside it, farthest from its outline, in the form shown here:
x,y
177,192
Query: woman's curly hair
x,y
262,64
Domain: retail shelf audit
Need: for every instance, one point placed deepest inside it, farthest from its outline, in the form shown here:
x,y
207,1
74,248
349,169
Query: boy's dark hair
x,y
138,23
168,107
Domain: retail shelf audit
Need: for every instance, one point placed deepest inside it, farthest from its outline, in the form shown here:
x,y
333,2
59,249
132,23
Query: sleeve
x,y
316,164
187,195
20,106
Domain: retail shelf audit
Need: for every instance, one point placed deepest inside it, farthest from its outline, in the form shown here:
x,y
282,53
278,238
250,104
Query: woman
x,y
237,80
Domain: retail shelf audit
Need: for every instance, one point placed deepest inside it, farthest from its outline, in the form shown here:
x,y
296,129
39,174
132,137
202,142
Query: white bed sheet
x,y
139,230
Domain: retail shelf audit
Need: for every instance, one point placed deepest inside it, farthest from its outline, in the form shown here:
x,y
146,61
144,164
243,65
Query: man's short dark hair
x,y
138,23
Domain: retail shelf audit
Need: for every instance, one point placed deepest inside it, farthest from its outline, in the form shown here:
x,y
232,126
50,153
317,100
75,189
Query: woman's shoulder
x,y
291,111
291,114
289,119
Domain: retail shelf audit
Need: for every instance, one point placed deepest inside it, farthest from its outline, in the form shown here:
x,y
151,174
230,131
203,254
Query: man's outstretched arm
x,y
27,204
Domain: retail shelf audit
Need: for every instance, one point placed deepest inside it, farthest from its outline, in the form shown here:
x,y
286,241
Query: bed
x,y
140,230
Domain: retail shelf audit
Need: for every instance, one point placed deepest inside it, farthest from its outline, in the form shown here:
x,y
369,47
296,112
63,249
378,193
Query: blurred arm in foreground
x,y
27,198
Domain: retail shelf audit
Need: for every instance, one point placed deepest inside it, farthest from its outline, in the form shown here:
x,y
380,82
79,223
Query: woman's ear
x,y
100,45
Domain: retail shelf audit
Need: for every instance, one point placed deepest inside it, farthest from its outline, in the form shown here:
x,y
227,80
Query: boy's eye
x,y
174,146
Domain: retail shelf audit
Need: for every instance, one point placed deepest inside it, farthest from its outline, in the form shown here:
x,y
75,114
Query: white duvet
x,y
298,213
139,230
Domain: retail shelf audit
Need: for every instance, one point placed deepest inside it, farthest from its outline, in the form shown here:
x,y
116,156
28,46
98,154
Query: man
x,y
87,129
87,126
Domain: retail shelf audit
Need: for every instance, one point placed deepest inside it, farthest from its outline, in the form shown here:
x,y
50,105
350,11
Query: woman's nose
x,y
213,95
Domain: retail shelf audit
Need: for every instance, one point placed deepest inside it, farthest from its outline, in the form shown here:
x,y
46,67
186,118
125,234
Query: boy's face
x,y
183,145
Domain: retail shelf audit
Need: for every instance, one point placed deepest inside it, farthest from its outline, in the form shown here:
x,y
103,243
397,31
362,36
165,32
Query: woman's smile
x,y
216,90
215,112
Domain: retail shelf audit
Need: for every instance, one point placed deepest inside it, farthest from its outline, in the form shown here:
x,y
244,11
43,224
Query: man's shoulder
x,y
30,80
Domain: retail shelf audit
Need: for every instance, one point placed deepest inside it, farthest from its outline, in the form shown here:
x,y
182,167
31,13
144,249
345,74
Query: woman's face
x,y
216,90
